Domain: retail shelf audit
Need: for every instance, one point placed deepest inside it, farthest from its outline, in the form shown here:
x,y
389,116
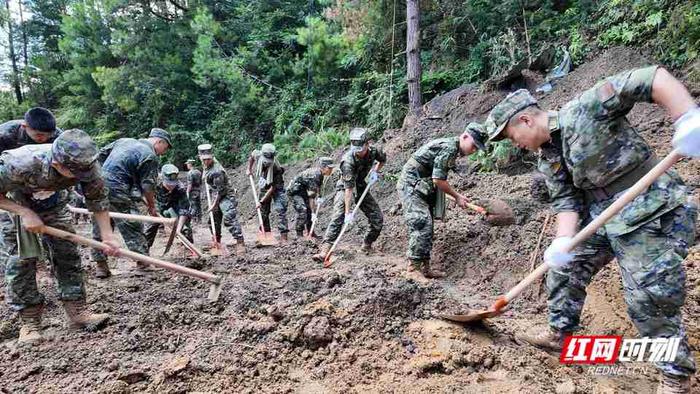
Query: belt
x,y
622,183
417,165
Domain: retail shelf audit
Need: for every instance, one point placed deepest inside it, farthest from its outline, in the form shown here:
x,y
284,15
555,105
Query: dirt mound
x,y
284,324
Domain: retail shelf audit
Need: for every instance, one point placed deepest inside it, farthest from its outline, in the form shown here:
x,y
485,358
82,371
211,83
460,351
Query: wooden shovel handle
x,y
590,229
77,239
255,198
471,206
127,216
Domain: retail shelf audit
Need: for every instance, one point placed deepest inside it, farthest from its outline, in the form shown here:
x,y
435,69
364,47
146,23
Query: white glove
x,y
373,176
261,182
687,136
320,200
349,217
555,256
313,217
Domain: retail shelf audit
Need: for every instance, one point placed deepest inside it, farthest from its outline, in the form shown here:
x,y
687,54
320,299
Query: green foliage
x,y
497,155
292,147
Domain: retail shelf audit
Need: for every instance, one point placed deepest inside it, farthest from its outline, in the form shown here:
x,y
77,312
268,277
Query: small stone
x,y
488,363
566,387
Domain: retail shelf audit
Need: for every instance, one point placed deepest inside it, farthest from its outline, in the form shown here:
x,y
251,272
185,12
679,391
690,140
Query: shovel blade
x,y
266,239
472,316
499,213
328,261
214,292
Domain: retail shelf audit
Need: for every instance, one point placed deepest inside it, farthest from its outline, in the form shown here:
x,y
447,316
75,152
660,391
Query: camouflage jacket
x,y
435,159
13,135
307,183
354,170
217,179
276,178
26,174
129,163
593,145
175,199
194,179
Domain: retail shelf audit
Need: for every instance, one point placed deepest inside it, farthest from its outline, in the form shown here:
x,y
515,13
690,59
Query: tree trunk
x,y
24,36
413,74
15,71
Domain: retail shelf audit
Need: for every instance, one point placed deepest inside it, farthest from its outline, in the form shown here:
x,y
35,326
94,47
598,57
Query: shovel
x,y
216,248
496,212
264,238
327,261
638,188
313,224
214,290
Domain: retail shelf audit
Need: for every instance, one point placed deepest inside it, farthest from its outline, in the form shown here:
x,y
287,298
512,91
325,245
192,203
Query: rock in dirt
x,y
566,387
133,377
318,331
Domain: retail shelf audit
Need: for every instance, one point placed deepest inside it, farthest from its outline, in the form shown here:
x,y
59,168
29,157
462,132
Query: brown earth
x,y
284,324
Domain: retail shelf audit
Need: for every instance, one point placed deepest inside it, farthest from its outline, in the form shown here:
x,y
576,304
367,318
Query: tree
x,y
15,71
413,73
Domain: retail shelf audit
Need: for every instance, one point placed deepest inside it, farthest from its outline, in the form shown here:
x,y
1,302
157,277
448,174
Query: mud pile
x,y
284,324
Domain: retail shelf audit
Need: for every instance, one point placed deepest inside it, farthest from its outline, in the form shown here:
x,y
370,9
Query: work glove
x,y
313,217
374,176
349,217
555,256
261,182
687,136
320,201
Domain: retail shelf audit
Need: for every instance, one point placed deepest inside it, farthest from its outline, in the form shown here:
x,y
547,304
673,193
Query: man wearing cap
x,y
194,185
130,164
305,192
36,179
172,202
422,187
356,165
223,202
590,154
37,127
270,175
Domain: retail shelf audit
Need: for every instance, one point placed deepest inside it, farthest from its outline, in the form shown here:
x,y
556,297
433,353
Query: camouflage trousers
x,y
651,263
196,205
369,207
303,209
152,228
418,216
228,211
20,274
7,228
131,231
280,202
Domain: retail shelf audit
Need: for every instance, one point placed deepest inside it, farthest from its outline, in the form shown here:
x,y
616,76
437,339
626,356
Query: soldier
x,y
171,201
130,164
590,154
270,176
223,202
35,177
37,127
194,185
305,192
422,187
355,165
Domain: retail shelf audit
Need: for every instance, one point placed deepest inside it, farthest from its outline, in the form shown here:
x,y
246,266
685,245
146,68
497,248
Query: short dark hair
x,y
40,119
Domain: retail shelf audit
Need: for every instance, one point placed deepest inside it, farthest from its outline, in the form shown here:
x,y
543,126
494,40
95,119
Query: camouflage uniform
x,y
417,192
13,136
170,204
306,185
218,183
279,195
26,174
127,164
194,180
595,154
353,171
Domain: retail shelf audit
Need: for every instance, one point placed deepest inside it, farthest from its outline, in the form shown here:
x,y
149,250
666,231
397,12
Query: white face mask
x,y
43,195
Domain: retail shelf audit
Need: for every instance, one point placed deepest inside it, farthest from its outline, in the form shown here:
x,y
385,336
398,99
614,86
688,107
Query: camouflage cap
x,y
77,151
500,114
325,162
358,136
478,133
160,133
205,151
169,173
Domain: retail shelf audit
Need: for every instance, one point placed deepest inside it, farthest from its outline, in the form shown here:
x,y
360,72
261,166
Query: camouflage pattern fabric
x,y
369,207
306,183
194,180
131,231
127,164
170,204
417,192
354,170
228,213
303,209
594,146
280,202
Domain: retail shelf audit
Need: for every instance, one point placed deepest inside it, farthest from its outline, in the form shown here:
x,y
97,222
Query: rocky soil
x,y
284,324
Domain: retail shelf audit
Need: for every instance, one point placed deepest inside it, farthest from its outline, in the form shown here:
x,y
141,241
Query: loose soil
x,y
284,324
